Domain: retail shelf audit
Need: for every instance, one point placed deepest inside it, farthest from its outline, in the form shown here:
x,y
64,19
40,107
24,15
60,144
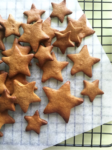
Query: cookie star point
x,y
3,76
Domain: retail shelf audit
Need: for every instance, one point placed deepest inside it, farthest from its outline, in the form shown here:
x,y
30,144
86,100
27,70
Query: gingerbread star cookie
x,y
1,61
52,69
2,35
46,27
25,94
34,122
23,49
81,22
61,101
83,62
75,31
33,34
3,76
33,14
1,134
5,118
91,89
11,26
18,63
63,41
43,54
60,10
7,102
19,77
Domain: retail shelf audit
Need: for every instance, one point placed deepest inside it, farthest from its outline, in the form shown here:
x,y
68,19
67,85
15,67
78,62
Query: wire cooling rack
x,y
97,12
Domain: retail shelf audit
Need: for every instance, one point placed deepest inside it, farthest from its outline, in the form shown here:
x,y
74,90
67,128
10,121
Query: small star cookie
x,y
25,94
43,54
61,101
11,26
34,122
83,62
91,89
60,10
52,69
63,41
33,14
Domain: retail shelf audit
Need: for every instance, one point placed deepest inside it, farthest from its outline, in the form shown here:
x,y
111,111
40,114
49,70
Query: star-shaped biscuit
x,y
25,94
2,35
23,49
5,118
75,31
34,122
83,62
46,27
63,41
1,134
61,101
7,102
1,61
91,89
3,76
60,10
33,14
33,34
11,26
43,54
19,77
81,22
52,69
18,63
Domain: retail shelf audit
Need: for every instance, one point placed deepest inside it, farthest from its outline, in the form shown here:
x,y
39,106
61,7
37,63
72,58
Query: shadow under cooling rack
x,y
99,14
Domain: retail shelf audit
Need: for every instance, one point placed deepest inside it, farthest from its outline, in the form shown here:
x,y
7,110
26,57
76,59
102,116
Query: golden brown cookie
x,y
46,27
61,101
75,31
18,63
34,122
91,89
33,14
33,34
1,61
5,118
83,62
25,94
7,102
3,76
2,35
1,134
19,77
43,54
63,41
11,26
60,10
52,69
81,22
23,49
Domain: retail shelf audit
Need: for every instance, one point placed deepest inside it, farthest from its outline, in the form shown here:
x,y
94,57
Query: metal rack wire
x,y
106,46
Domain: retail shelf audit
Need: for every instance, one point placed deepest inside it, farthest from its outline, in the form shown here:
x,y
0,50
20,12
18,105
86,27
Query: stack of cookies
x,y
15,89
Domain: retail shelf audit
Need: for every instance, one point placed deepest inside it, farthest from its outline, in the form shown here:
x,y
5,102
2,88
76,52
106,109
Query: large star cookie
x,y
43,54
33,14
46,27
11,26
61,101
81,22
60,10
33,34
63,41
5,118
75,31
25,94
34,122
91,89
18,63
2,35
19,77
52,69
7,102
83,62
3,76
